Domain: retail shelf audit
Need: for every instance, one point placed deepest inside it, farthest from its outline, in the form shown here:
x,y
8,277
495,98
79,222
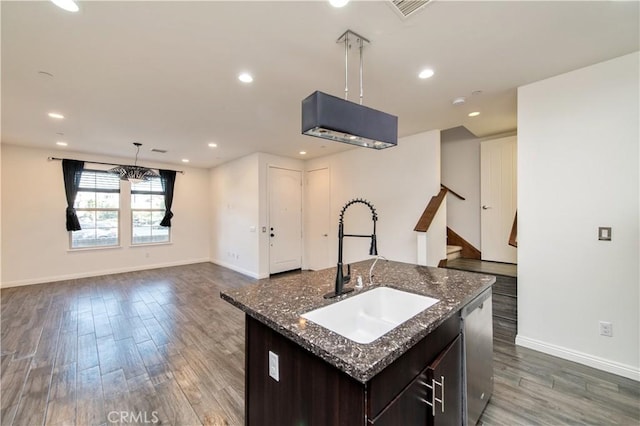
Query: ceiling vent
x,y
160,151
406,8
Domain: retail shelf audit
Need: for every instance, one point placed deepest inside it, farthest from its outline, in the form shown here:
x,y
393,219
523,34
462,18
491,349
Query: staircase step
x,y
453,252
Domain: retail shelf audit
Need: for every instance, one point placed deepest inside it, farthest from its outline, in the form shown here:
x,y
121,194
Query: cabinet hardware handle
x,y
433,395
432,403
442,394
432,387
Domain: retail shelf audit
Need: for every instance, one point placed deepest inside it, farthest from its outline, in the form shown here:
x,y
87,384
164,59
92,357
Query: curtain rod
x,y
107,164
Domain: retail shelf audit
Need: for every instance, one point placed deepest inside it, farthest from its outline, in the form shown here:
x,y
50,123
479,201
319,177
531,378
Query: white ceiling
x,y
165,73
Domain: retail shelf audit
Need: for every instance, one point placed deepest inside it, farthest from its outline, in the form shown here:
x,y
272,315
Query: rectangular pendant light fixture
x,y
330,117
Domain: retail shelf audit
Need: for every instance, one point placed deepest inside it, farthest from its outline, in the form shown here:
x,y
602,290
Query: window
x,y
97,206
147,211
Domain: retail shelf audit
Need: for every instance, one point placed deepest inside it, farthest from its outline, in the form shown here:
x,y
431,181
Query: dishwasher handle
x,y
477,303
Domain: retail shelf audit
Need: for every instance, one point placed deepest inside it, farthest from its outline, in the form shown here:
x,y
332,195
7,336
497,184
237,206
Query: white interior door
x,y
498,198
318,218
285,219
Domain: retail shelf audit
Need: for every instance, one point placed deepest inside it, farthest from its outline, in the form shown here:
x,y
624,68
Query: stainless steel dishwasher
x,y
477,324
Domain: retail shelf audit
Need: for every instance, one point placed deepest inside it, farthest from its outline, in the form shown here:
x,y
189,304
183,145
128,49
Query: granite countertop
x,y
280,301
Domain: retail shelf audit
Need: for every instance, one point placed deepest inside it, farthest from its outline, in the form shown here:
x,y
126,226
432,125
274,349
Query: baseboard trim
x,y
609,366
44,280
237,269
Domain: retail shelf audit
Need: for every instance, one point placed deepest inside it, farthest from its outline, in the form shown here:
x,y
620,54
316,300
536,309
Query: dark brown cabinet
x,y
444,376
312,392
409,408
432,398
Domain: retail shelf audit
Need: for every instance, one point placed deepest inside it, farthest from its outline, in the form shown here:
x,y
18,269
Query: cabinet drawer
x,y
409,408
384,387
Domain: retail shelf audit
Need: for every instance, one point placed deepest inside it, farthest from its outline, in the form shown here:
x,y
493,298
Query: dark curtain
x,y
72,172
168,179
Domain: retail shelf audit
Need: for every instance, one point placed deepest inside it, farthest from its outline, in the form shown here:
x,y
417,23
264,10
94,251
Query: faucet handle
x,y
348,276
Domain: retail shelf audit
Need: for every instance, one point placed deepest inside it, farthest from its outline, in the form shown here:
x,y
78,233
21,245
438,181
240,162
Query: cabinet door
x,y
445,376
409,408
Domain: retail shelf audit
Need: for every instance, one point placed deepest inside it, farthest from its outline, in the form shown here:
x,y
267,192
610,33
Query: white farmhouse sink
x,y
367,316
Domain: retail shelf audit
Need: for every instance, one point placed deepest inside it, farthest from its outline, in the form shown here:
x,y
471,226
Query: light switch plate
x,y
604,233
274,368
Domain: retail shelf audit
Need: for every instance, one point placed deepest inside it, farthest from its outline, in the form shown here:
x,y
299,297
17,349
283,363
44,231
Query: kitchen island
x,y
298,372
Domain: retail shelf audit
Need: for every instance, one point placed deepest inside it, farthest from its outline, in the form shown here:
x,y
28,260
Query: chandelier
x,y
135,173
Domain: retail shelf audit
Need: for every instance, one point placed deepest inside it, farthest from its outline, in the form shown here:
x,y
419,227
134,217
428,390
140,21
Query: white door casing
x,y
498,198
285,219
318,226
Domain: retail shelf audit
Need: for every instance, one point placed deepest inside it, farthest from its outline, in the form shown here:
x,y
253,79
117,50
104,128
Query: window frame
x,y
151,211
95,211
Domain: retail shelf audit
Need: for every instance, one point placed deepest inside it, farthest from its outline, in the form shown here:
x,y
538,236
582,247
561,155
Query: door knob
x,y
486,207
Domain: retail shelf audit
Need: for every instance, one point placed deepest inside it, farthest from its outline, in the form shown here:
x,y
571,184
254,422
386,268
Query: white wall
x,y
235,208
461,173
398,181
578,162
35,243
239,204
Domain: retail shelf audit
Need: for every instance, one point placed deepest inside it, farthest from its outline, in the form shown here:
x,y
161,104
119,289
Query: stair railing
x,y
513,237
432,208
430,211
452,192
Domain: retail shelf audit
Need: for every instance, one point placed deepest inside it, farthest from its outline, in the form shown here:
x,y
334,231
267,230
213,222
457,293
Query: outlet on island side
x,y
606,329
274,368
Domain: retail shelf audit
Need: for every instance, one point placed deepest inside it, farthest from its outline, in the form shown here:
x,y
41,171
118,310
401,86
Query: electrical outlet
x,y
606,329
274,368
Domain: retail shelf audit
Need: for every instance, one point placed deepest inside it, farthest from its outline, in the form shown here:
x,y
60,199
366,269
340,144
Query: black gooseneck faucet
x,y
341,279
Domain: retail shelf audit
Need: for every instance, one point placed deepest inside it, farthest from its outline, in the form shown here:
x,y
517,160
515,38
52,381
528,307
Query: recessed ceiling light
x,y
338,3
426,73
55,115
60,143
185,160
459,101
68,5
213,145
303,152
474,114
245,77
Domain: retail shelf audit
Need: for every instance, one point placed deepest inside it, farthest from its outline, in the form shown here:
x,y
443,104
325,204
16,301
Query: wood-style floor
x,y
162,346
483,267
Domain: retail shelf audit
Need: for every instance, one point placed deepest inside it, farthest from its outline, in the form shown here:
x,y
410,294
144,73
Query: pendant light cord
x,y
137,144
344,38
361,89
346,66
